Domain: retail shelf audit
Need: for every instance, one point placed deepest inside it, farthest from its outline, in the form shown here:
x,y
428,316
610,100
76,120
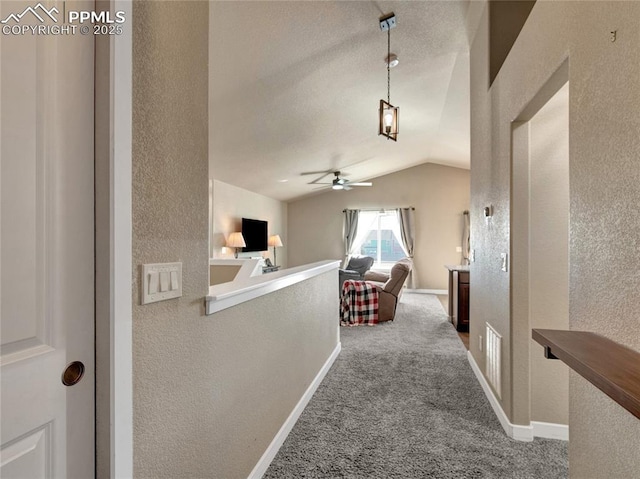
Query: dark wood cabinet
x,y
459,297
461,307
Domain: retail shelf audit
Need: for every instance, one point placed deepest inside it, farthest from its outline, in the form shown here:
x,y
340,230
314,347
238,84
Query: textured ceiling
x,y
295,87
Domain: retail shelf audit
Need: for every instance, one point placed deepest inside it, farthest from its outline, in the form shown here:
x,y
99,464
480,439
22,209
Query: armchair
x,y
389,287
356,269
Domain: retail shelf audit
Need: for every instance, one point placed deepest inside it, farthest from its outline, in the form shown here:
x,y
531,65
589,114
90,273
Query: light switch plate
x,y
161,281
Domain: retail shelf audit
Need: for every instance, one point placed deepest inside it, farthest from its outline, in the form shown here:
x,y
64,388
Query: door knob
x,y
73,373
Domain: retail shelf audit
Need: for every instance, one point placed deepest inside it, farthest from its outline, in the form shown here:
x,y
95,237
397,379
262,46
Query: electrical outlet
x,y
458,249
480,343
505,262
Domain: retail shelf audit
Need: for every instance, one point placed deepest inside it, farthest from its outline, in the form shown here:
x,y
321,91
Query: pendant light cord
x,y
388,67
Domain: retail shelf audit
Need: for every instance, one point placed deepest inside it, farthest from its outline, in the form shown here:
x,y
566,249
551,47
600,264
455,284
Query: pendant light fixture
x,y
388,114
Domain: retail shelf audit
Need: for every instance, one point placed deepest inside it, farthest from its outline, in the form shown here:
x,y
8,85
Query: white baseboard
x,y
550,430
514,431
427,291
518,432
264,462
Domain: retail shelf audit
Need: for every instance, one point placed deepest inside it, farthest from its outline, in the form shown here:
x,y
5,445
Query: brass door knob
x,y
73,373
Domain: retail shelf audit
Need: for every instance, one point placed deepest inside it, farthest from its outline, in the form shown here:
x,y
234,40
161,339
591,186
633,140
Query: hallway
x,y
401,401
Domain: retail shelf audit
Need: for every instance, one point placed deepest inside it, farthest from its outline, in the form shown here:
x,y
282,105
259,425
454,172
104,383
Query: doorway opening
x,y
540,252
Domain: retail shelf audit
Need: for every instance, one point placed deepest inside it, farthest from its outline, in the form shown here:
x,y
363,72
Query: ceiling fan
x,y
342,184
337,183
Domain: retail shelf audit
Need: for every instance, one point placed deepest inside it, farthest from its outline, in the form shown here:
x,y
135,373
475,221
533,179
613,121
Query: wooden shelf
x,y
611,367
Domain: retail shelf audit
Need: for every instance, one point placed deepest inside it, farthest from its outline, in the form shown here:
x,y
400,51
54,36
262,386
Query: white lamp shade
x,y
275,241
236,240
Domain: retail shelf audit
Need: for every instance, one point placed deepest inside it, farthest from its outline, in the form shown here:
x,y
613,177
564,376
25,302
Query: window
x,y
380,238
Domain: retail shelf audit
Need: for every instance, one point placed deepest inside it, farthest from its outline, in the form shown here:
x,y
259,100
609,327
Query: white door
x,y
47,246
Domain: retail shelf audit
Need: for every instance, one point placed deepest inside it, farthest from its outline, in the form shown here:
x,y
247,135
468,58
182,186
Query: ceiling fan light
x,y
337,186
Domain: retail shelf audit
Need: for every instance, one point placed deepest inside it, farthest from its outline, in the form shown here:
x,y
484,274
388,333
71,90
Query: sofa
x,y
389,287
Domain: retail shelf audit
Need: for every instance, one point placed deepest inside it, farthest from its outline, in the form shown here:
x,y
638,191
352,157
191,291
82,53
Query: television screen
x,y
255,235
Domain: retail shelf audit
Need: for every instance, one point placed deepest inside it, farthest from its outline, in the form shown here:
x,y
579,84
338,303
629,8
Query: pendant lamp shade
x,y
389,120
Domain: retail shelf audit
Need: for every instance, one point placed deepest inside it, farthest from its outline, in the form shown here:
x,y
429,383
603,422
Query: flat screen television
x,y
255,235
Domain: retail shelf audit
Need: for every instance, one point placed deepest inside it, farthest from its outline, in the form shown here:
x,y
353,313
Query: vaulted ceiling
x,y
295,88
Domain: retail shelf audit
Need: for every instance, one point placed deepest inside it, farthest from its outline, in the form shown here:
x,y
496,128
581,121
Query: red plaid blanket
x,y
359,303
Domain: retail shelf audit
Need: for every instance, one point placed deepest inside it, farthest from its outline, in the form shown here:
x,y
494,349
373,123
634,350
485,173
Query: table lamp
x,y
276,242
235,241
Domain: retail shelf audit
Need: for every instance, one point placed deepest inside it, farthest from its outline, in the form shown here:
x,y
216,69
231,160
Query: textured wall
x,y
218,388
604,101
170,223
210,392
439,193
230,204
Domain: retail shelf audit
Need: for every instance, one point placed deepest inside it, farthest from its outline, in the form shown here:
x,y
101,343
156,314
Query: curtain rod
x,y
377,209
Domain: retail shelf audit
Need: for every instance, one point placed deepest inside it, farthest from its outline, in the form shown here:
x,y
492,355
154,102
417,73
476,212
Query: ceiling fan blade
x,y
366,183
316,181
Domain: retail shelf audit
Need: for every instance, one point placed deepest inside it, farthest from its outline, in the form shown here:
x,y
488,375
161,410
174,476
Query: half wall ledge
x,y
611,367
226,295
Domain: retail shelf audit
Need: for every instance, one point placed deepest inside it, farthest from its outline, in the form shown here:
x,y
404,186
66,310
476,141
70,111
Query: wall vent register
x,y
161,281
493,359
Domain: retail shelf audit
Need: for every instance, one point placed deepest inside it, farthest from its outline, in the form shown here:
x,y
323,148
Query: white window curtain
x,y
406,219
395,229
366,221
356,227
